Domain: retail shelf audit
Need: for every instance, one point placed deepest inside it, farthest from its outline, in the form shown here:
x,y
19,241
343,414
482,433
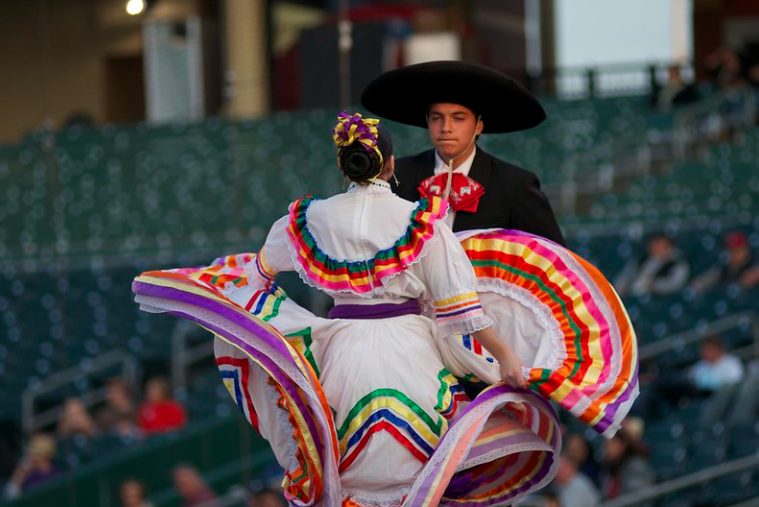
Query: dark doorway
x,y
125,89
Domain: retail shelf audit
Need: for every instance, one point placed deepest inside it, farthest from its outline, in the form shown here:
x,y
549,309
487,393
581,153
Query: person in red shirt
x,y
160,412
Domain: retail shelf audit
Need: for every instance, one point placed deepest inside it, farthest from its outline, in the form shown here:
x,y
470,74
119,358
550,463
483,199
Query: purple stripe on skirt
x,y
379,311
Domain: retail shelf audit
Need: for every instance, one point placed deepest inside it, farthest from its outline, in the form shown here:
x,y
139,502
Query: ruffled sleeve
x,y
453,286
274,257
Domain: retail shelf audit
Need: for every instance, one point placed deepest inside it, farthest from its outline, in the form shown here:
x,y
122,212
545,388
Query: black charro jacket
x,y
512,198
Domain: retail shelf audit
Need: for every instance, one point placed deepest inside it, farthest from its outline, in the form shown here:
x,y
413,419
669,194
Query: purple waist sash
x,y
380,311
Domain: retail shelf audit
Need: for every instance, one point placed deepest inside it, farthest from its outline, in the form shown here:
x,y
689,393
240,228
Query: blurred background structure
x,y
142,134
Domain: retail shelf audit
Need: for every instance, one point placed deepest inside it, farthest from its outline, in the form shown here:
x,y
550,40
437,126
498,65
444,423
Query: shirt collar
x,y
374,187
463,168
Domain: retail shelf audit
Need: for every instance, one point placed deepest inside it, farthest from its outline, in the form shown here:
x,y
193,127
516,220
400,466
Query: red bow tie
x,y
465,192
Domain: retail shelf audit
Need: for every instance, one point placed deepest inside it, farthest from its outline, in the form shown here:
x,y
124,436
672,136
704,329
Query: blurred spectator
x,y
573,487
730,70
716,367
192,488
578,448
125,428
725,68
737,265
551,499
132,494
717,372
119,407
634,427
661,270
674,92
267,498
75,421
159,412
35,468
625,467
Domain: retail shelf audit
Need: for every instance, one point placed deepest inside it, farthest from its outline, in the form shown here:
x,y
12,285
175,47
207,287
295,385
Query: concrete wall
x,y
53,57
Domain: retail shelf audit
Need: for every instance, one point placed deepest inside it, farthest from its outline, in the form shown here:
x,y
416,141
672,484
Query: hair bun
x,y
357,164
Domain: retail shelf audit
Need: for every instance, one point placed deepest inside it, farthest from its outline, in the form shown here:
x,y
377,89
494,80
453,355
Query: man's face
x,y
660,247
186,482
452,129
710,353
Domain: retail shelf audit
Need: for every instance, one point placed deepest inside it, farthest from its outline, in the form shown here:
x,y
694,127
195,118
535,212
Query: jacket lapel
x,y
427,168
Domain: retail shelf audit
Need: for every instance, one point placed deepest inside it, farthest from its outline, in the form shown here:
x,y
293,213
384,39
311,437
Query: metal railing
x,y
685,481
680,340
606,80
32,421
751,502
182,356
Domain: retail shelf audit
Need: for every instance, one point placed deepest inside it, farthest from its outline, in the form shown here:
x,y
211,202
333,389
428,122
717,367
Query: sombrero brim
x,y
403,95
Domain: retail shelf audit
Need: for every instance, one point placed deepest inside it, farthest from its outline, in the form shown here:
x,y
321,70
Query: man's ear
x,y
480,126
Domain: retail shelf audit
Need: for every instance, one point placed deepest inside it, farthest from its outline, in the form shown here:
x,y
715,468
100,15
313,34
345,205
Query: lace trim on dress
x,y
258,270
542,312
374,188
466,325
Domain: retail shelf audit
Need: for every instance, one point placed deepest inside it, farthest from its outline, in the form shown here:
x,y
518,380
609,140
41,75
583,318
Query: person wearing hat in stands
x,y
456,102
738,266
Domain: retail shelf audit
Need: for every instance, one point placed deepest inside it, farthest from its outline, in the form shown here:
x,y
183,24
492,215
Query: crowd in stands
x,y
718,375
663,269
194,491
725,69
120,420
730,75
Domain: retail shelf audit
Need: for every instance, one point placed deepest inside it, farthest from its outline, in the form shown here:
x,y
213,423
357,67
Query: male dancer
x,y
456,102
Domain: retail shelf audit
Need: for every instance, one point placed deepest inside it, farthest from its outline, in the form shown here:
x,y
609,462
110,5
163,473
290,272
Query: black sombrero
x,y
403,95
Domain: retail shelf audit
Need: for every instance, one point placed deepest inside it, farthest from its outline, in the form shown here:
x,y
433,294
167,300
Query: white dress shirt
x,y
711,376
441,166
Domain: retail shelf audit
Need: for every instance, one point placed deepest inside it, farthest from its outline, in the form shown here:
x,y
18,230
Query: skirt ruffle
x,y
564,320
559,314
496,450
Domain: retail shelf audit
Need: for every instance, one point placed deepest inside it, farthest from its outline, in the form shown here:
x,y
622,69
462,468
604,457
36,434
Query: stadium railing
x,y
682,483
185,355
700,332
32,421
